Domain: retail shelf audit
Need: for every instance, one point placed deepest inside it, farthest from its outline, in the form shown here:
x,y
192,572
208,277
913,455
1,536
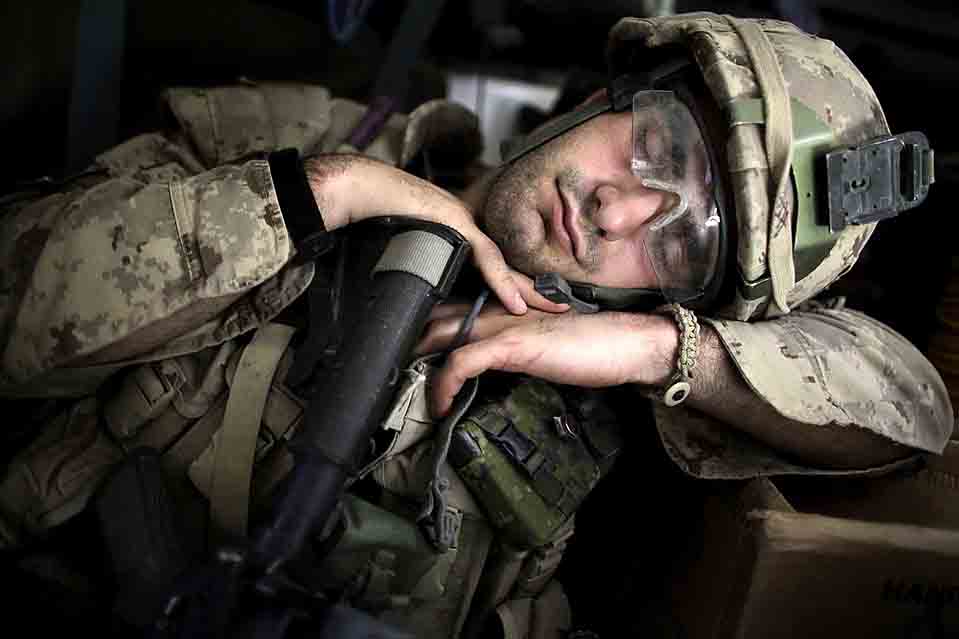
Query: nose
x,y
622,211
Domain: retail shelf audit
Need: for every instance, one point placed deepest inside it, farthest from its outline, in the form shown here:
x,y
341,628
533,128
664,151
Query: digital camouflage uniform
x,y
820,364
154,266
146,344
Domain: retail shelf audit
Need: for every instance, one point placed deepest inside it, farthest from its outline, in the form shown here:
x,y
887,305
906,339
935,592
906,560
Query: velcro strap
x,y
419,253
301,214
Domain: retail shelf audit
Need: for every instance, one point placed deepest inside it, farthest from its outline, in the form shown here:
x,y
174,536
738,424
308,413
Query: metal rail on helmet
x,y
879,179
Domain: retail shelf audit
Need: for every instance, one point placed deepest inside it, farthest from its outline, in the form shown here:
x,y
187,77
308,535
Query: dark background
x,y
78,76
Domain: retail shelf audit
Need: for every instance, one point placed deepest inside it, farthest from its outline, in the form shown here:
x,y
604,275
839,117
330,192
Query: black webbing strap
x,y
298,205
304,221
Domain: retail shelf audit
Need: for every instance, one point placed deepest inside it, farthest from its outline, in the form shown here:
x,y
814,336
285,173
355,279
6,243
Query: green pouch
x,y
528,460
388,552
378,559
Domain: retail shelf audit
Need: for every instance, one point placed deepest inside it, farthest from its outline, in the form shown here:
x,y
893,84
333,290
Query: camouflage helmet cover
x,y
817,74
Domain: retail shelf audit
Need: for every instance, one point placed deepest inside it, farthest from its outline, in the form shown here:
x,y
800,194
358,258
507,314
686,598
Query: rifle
x,y
246,588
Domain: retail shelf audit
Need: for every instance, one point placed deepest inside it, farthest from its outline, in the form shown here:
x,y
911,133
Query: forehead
x,y
599,127
620,130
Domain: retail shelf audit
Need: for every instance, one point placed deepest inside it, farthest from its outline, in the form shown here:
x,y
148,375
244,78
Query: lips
x,y
564,225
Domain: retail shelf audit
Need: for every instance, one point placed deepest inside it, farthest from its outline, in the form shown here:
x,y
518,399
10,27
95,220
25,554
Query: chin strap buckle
x,y
553,287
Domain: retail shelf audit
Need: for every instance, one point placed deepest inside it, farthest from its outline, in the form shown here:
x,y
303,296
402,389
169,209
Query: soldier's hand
x,y
597,350
350,188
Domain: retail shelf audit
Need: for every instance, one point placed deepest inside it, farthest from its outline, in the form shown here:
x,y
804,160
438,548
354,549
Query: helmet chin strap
x,y
618,97
591,298
513,150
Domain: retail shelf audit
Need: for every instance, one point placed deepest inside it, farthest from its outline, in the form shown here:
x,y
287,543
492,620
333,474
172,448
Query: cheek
x,y
626,265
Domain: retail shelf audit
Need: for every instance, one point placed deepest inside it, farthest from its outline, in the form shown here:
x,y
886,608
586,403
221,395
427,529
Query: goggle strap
x,y
623,87
619,97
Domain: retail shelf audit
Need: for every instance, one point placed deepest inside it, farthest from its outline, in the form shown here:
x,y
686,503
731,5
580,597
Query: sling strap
x,y
236,440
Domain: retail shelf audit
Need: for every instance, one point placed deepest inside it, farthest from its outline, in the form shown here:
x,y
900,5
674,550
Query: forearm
x,y
720,391
349,188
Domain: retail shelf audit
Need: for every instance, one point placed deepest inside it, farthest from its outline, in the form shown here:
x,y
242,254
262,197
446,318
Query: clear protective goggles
x,y
683,240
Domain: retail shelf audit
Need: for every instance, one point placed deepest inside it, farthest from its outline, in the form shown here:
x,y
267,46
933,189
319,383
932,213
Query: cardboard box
x,y
837,558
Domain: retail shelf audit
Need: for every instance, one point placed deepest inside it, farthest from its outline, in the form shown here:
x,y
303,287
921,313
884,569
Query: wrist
x,y
663,337
674,387
328,176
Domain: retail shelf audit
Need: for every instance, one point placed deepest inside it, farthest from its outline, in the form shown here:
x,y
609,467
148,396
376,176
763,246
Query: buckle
x,y
555,288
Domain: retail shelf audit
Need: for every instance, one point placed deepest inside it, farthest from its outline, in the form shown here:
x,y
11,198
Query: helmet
x,y
806,162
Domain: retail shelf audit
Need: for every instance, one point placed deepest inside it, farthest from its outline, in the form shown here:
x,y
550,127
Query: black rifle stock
x,y
244,590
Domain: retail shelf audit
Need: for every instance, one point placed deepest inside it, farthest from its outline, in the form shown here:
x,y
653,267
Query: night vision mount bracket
x,y
879,179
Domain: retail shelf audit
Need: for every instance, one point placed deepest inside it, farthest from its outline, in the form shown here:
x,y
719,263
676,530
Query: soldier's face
x,y
573,207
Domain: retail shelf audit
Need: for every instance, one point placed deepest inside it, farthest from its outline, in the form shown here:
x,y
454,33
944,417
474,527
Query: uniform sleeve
x,y
820,367
114,270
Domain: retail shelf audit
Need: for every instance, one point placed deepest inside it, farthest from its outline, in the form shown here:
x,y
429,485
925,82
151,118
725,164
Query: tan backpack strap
x,y
236,440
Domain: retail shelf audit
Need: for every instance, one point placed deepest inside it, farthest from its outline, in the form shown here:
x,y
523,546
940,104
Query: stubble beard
x,y
509,213
508,207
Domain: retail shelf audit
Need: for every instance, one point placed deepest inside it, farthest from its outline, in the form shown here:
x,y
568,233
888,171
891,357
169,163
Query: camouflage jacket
x,y
171,244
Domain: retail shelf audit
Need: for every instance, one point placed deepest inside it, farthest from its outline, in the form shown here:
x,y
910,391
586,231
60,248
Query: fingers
x,y
468,361
442,327
515,290
443,330
499,276
438,336
533,298
525,284
445,325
